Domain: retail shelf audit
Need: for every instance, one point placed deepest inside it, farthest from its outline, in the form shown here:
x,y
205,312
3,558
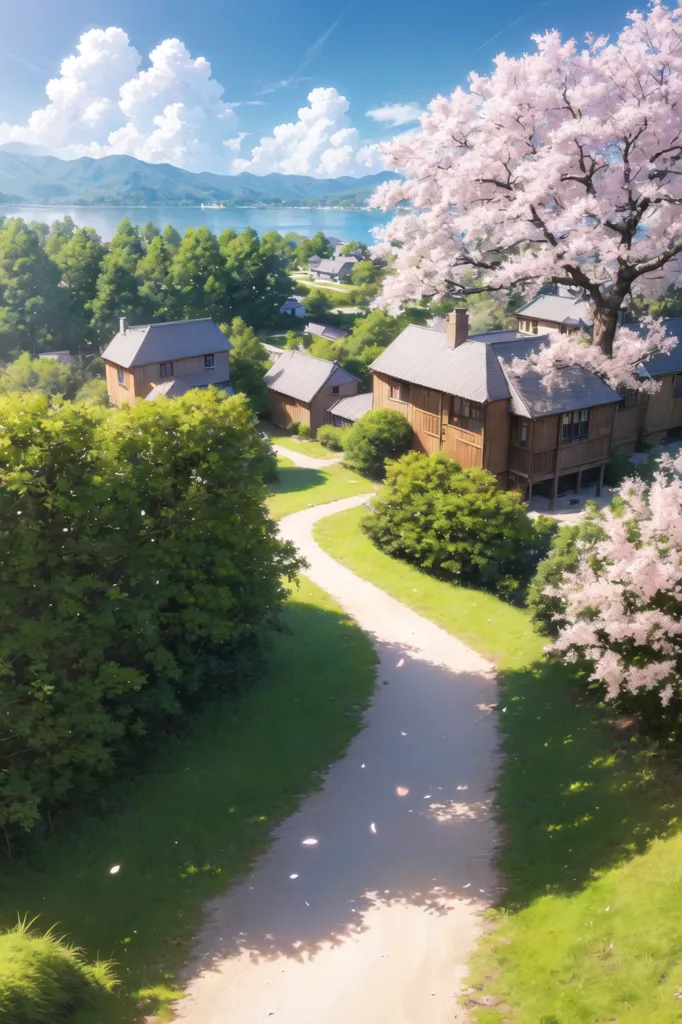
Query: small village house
x,y
565,310
325,331
347,411
292,307
333,270
301,389
148,360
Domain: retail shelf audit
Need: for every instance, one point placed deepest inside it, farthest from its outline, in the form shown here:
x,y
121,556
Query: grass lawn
x,y
589,929
297,444
299,488
184,831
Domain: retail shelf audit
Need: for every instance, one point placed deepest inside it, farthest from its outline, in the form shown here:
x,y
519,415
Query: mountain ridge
x,y
33,179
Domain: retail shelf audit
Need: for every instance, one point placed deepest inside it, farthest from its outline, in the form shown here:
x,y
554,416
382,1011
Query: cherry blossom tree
x,y
623,605
563,166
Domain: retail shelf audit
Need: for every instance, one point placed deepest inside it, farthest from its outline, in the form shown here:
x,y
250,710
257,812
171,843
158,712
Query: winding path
x,y
375,922
303,460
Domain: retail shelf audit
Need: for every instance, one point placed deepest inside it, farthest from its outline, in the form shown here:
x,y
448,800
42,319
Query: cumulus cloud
x,y
101,104
321,143
394,114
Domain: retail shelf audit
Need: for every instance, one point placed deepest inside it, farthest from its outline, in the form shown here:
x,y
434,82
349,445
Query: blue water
x,y
355,225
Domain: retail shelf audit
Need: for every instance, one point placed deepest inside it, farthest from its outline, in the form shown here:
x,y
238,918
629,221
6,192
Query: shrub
x,y
266,461
331,437
303,430
43,979
377,436
457,524
140,569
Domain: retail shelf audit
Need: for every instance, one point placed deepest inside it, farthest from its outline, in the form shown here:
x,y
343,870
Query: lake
x,y
347,225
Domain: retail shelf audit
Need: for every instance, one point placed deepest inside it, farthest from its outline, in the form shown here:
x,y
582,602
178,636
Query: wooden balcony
x,y
583,453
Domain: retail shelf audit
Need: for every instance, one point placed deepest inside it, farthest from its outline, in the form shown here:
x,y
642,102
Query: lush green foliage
x,y
65,289
139,568
379,435
563,556
318,245
457,523
364,272
50,377
44,980
317,302
303,430
248,363
331,437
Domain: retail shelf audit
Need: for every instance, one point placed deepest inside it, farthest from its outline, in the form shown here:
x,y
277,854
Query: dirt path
x,y
374,922
303,460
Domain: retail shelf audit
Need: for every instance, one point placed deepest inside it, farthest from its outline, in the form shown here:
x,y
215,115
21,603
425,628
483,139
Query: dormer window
x,y
209,362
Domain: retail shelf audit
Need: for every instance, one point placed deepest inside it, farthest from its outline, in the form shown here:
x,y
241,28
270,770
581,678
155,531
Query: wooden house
x,y
347,411
301,389
146,361
461,397
565,310
333,270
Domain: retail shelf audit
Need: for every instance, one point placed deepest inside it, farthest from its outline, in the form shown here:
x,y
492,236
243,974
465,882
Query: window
x,y
166,369
399,391
534,326
335,389
121,376
209,362
523,435
677,386
630,397
575,425
466,415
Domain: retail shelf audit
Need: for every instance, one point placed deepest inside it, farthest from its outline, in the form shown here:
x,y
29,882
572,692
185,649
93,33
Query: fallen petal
x,y
373,828
115,870
293,876
402,790
309,842
400,663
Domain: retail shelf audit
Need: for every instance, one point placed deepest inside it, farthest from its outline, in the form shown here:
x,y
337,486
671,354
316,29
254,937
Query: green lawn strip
x,y
187,829
588,930
296,444
299,488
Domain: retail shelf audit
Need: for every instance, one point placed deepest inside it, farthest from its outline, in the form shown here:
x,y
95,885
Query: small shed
x,y
348,411
292,307
324,331
301,389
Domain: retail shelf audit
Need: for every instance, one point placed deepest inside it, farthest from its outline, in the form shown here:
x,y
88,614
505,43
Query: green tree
x,y
80,261
126,244
457,523
318,245
35,313
154,273
45,375
257,274
293,340
248,363
171,237
141,571
41,229
149,232
61,231
118,294
352,248
377,436
93,392
668,304
317,302
198,276
364,272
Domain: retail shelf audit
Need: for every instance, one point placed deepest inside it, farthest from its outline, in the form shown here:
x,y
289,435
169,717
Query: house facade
x,y
347,411
567,311
460,396
333,270
145,361
301,389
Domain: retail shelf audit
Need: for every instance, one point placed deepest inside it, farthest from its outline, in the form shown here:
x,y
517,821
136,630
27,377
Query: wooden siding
x,y
664,411
284,411
463,446
496,437
120,393
629,424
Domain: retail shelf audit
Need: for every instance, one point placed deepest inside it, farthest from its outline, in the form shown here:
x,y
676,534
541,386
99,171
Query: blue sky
x,y
268,56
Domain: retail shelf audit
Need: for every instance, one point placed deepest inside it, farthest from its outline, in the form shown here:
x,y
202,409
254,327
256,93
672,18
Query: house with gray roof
x,y
325,331
149,358
462,395
333,270
565,309
347,411
302,388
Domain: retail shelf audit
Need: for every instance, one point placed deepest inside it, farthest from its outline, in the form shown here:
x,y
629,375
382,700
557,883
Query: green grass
x,y
588,930
296,444
299,488
187,829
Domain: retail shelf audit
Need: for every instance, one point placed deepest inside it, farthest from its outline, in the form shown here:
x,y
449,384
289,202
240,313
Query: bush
x,y
266,462
303,430
457,524
331,437
379,435
140,570
294,428
44,980
563,556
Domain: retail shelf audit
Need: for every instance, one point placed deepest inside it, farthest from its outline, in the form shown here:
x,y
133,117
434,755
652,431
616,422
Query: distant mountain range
x,y
27,177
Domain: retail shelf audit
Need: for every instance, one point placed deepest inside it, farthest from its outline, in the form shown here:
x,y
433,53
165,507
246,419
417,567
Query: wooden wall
x,y
120,393
284,411
629,424
664,411
141,379
496,436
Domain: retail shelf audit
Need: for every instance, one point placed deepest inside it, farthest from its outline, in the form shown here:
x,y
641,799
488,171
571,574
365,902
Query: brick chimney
x,y
457,327
123,325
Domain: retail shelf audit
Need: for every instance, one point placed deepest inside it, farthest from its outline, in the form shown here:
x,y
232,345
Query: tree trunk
x,y
605,324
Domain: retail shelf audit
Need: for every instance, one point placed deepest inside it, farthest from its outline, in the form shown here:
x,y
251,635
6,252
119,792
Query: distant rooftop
x,y
300,376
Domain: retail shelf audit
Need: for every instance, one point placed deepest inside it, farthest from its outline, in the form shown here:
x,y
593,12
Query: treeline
x,y
61,287
140,572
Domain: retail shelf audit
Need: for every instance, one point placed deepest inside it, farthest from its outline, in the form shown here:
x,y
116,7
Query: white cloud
x,y
102,104
322,143
235,144
394,114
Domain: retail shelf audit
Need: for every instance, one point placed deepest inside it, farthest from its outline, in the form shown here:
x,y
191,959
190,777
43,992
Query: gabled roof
x,y
530,396
177,386
572,310
421,355
334,266
671,363
291,304
353,407
161,343
323,331
300,376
